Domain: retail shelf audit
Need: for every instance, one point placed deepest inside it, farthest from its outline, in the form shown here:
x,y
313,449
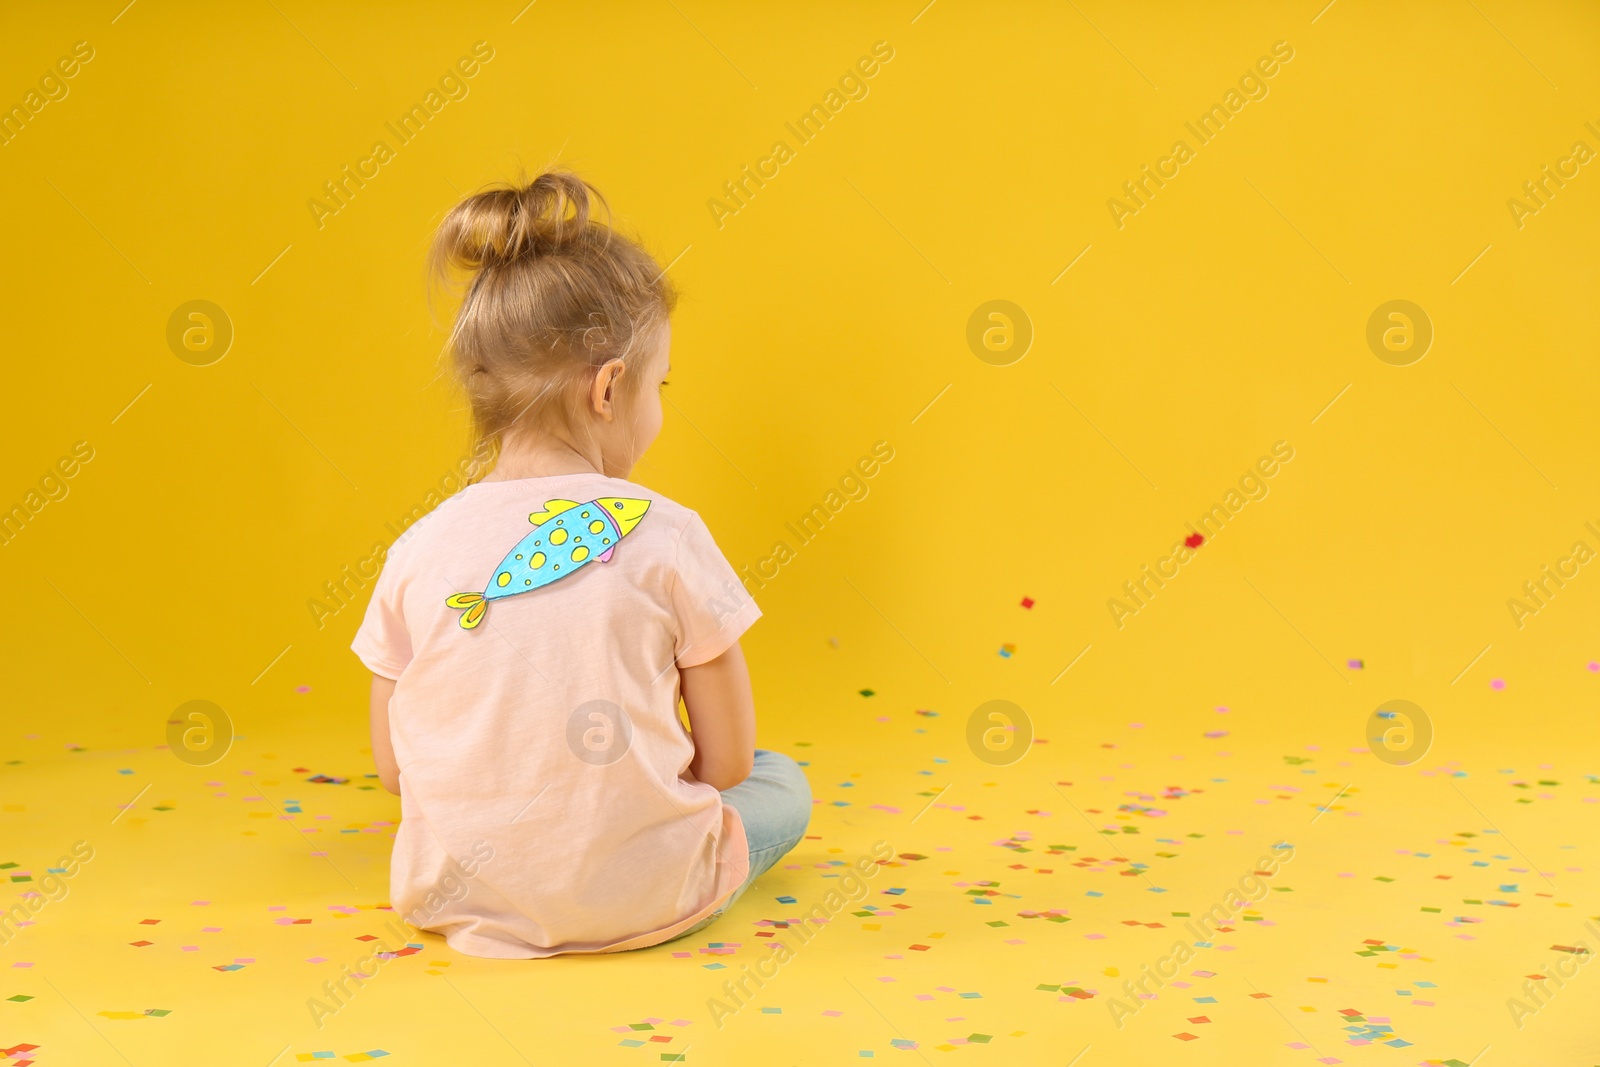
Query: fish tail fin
x,y
475,607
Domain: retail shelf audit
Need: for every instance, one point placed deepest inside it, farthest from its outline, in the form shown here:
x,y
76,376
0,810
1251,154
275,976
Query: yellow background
x,y
823,317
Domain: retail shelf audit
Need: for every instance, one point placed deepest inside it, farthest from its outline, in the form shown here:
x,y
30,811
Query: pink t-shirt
x,y
535,629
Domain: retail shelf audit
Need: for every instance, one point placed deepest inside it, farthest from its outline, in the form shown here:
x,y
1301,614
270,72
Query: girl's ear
x,y
602,392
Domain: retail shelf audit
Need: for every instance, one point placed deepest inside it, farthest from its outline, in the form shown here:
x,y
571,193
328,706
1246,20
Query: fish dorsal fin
x,y
552,508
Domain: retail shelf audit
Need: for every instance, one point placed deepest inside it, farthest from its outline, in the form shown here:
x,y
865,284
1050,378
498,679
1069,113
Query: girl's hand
x,y
382,746
722,719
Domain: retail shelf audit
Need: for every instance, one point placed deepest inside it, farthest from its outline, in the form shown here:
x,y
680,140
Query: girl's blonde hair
x,y
551,295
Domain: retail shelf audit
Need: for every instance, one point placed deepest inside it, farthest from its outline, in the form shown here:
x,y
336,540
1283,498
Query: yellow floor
x,y
1019,901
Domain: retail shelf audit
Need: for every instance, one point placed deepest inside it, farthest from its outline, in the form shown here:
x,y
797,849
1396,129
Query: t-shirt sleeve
x,y
711,606
383,643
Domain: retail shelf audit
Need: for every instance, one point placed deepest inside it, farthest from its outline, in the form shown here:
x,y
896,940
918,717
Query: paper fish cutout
x,y
567,536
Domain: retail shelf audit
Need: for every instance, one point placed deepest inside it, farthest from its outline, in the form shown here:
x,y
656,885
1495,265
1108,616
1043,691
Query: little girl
x,y
531,638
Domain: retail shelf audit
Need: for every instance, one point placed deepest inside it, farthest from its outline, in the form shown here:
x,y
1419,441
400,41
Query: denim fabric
x,y
774,804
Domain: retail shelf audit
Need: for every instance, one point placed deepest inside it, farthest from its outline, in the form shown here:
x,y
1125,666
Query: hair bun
x,y
505,224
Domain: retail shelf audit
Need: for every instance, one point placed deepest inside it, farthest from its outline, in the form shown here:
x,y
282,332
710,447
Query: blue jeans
x,y
774,804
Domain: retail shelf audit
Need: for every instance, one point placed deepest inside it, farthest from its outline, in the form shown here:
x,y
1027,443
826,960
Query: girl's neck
x,y
542,457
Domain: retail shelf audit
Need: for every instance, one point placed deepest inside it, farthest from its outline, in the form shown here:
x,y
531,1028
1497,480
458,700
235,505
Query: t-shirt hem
x,y
710,648
376,663
472,944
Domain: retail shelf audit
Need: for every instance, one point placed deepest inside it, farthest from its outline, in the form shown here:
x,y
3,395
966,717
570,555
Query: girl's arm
x,y
382,746
722,719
